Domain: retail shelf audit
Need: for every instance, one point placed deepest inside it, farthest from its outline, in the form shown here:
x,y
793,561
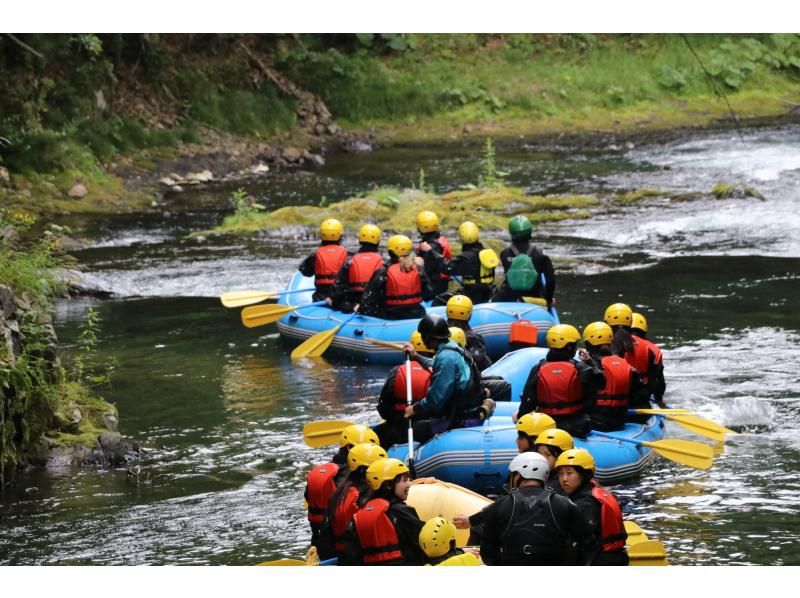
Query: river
x,y
218,409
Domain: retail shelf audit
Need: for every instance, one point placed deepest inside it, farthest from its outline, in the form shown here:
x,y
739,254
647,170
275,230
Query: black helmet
x,y
433,327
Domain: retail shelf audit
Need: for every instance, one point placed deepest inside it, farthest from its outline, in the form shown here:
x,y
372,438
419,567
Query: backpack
x,y
521,275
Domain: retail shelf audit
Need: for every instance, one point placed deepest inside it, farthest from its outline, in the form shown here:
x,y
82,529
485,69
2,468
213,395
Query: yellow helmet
x,y
578,457
356,434
416,342
384,470
369,233
534,424
618,314
427,222
468,232
598,333
457,335
364,455
459,307
400,245
560,335
330,230
555,437
436,536
639,322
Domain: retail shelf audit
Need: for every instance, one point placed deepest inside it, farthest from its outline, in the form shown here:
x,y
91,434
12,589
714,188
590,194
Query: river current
x,y
219,409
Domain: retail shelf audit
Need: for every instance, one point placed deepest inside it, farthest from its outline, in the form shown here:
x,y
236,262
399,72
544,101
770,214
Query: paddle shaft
x,y
409,401
693,454
375,341
242,298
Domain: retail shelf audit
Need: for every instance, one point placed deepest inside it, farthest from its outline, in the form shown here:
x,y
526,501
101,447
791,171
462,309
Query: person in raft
x,y
385,531
475,265
323,480
455,397
639,330
396,292
434,250
459,311
623,382
598,506
550,444
533,276
532,525
357,270
438,540
561,386
327,259
640,353
392,401
350,495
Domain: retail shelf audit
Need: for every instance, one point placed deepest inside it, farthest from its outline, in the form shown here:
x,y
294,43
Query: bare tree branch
x,y
22,44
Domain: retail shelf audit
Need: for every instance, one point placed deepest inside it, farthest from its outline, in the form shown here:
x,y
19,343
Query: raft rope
x,y
714,85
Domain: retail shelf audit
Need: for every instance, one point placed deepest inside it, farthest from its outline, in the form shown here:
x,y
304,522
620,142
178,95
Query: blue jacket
x,y
451,373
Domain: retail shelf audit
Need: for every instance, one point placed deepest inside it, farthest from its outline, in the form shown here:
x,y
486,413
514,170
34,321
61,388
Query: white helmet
x,y
531,466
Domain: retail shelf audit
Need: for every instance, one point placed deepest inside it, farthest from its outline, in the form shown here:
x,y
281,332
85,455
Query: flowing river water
x,y
218,409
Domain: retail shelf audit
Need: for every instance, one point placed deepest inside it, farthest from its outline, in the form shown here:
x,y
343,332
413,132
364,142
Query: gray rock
x,y
7,301
317,160
334,129
292,154
77,191
110,421
167,181
176,189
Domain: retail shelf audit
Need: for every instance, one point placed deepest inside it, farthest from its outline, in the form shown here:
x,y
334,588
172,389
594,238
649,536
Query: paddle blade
x,y
649,553
316,345
242,298
700,426
283,563
686,452
324,433
635,533
258,315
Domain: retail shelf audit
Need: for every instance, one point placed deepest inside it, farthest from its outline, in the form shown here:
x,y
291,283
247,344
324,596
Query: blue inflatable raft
x,y
477,458
491,320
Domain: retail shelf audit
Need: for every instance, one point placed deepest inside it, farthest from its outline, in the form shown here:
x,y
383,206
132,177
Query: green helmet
x,y
520,228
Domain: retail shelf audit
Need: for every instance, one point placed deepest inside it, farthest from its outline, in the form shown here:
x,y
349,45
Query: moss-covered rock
x,y
395,210
735,191
636,195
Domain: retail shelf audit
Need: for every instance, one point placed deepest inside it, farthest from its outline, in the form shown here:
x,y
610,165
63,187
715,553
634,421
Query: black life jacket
x,y
533,535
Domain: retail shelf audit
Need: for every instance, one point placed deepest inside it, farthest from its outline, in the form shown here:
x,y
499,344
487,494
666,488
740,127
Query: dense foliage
x,y
72,99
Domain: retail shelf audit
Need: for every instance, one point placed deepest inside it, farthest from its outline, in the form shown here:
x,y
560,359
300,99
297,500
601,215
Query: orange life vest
x,y
320,484
612,528
403,288
618,383
558,389
329,260
659,358
639,357
420,381
376,533
362,267
342,515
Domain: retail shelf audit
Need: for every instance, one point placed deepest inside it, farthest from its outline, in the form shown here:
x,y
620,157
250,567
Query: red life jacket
x,y
403,288
320,484
659,359
639,357
558,389
618,383
612,528
420,381
376,533
329,260
362,266
343,515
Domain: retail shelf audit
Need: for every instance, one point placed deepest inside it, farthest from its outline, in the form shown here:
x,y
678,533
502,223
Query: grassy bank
x,y
125,102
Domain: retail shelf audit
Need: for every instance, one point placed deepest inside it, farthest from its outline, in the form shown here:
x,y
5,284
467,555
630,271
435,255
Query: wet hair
x,y
622,342
599,350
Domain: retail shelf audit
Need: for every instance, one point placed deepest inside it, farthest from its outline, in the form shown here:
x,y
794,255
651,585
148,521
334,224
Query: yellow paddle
x,y
324,433
686,452
242,298
318,344
647,553
635,533
258,315
693,423
283,563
